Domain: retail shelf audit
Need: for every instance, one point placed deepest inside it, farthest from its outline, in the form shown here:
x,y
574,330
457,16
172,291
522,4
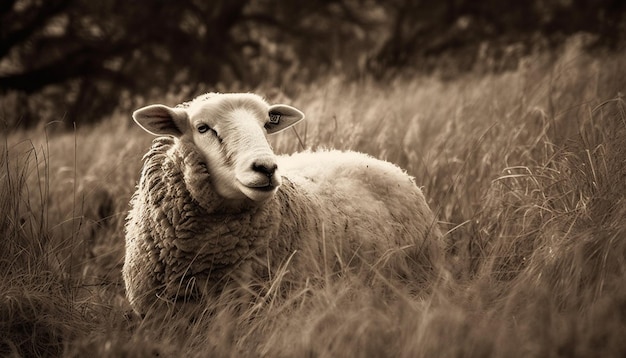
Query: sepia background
x,y
510,116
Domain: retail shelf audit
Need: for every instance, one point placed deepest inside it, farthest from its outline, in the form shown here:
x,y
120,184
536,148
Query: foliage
x,y
88,58
467,32
77,61
525,170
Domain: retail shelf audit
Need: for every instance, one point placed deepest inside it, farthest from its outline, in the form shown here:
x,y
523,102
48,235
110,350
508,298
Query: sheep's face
x,y
230,131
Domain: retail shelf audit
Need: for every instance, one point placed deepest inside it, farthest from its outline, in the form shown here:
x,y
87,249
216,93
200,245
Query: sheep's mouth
x,y
266,188
264,185
258,191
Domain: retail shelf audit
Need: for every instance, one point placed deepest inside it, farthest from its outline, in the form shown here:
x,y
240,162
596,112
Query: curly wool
x,y
183,242
175,240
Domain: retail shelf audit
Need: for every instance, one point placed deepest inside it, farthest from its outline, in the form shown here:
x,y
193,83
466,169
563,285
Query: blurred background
x,y
77,61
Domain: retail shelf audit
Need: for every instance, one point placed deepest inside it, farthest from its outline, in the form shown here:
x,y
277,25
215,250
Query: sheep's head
x,y
230,131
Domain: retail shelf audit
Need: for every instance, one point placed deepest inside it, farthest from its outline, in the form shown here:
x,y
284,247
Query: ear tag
x,y
274,118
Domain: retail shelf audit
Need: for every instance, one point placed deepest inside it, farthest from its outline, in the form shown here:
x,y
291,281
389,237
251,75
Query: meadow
x,y
526,171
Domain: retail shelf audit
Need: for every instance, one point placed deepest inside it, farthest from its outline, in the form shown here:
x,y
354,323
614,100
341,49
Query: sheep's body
x,y
184,241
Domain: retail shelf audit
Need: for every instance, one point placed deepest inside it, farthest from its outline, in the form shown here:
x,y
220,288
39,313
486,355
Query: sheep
x,y
215,207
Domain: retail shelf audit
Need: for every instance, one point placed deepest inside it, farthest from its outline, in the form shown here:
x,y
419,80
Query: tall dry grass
x,y
525,170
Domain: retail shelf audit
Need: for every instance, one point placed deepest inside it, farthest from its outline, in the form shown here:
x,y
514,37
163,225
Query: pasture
x,y
525,170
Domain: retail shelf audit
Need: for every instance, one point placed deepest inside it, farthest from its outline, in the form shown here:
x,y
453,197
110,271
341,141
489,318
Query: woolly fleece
x,y
343,207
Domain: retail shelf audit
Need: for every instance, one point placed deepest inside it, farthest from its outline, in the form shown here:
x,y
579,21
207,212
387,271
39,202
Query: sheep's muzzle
x,y
259,179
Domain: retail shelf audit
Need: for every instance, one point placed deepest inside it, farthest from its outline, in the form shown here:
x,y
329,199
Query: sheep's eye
x,y
203,128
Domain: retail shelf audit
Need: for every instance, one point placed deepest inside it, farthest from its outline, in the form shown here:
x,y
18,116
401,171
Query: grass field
x,y
525,170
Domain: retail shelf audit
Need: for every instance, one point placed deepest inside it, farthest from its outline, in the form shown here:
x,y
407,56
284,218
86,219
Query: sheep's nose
x,y
267,168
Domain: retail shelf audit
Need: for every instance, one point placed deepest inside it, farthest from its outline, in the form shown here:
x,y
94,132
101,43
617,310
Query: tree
x,y
426,29
78,60
81,56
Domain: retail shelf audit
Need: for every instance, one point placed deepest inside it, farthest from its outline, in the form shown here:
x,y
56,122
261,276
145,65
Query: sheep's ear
x,y
162,120
281,117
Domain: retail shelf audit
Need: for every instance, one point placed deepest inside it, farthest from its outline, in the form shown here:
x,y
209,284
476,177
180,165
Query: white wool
x,y
184,241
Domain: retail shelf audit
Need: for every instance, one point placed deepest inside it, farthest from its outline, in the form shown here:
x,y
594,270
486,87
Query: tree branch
x,y
16,29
